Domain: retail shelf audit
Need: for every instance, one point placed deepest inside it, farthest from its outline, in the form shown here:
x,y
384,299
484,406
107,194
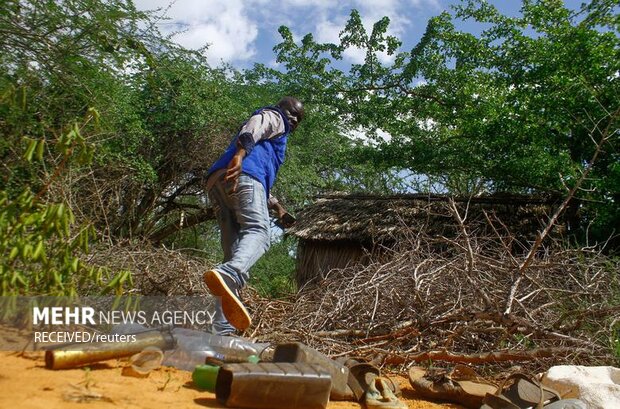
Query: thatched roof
x,y
367,218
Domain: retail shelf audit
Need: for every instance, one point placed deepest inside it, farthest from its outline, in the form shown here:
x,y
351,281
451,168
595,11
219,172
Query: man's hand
x,y
285,219
233,171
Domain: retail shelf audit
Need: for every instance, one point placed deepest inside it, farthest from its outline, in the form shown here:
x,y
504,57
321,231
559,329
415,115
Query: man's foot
x,y
221,285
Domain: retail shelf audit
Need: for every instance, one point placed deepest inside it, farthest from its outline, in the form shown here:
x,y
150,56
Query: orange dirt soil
x,y
26,384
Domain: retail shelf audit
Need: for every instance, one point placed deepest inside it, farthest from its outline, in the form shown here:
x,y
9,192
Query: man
x,y
238,185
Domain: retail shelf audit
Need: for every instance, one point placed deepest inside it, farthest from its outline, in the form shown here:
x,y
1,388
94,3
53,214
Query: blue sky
x,y
242,32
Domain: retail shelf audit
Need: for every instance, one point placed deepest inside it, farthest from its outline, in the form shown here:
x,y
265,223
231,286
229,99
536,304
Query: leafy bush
x,y
273,274
42,247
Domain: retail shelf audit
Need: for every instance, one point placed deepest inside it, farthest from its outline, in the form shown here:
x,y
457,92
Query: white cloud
x,y
231,28
361,135
327,31
355,55
383,136
273,63
324,4
433,4
222,25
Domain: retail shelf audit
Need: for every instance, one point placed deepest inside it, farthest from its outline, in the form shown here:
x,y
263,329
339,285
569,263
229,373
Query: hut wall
x,y
316,258
340,231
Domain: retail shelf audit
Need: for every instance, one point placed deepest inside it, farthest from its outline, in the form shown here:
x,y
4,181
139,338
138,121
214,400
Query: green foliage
x,y
37,250
41,246
165,114
514,108
273,274
518,107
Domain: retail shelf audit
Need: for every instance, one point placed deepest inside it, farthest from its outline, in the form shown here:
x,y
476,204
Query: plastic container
x,y
194,347
273,386
298,352
204,376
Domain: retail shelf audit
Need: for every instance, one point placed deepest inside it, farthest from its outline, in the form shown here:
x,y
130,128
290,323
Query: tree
x,y
164,112
515,108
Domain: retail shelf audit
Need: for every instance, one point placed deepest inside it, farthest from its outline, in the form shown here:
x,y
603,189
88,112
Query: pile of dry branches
x,y
478,300
156,271
459,299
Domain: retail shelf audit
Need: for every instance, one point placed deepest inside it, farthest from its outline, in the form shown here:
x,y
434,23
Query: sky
x,y
244,32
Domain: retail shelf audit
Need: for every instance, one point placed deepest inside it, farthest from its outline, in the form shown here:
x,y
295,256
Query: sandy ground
x,y
26,384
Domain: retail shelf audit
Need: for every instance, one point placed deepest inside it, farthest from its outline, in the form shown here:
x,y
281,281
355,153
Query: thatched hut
x,y
339,230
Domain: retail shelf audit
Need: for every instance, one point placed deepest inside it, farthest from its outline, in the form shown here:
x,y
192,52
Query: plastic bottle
x,y
194,347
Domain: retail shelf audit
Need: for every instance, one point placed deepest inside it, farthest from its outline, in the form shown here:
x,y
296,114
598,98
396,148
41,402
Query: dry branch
x,y
605,135
419,298
426,295
485,358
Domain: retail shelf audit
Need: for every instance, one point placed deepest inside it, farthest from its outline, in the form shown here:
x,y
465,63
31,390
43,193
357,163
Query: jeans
x,y
243,218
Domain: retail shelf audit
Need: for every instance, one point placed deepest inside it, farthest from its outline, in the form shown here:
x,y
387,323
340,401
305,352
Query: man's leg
x,y
229,232
220,325
249,204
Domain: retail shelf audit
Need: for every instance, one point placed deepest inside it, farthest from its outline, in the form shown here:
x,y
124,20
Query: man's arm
x,y
285,219
233,170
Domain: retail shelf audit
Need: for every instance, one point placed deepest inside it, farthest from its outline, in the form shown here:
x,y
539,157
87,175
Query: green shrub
x,y
42,247
273,274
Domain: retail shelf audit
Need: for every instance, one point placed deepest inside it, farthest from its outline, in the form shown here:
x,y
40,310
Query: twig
x,y
483,358
605,135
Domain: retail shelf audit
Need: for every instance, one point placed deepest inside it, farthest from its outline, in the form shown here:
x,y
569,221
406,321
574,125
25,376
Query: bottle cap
x,y
253,359
204,377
